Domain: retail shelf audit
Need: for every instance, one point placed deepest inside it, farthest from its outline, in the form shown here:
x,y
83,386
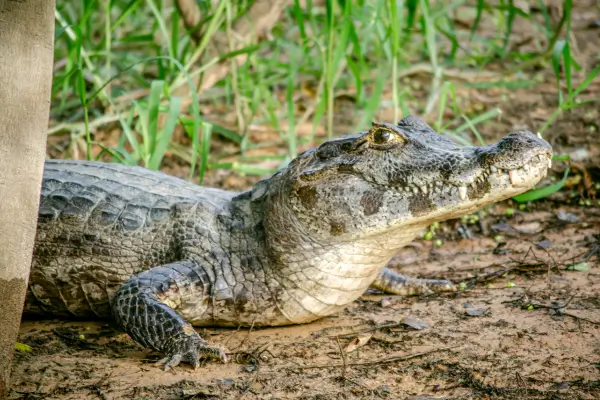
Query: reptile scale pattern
x,y
159,255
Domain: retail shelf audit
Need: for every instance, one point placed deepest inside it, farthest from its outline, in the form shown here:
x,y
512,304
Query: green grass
x,y
108,52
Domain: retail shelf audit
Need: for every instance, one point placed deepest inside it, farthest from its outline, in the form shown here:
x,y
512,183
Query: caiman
x,y
159,255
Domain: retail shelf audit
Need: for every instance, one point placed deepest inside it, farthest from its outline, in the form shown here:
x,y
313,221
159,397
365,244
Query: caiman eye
x,y
382,136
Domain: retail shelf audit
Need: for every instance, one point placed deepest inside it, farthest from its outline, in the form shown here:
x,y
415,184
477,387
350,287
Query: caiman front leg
x,y
392,282
145,307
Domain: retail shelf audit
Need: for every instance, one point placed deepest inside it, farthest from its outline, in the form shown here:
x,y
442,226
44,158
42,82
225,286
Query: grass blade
x,y
206,135
546,191
156,89
479,12
165,135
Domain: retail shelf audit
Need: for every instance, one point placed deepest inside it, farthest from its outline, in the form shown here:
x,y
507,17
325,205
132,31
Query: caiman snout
x,y
517,155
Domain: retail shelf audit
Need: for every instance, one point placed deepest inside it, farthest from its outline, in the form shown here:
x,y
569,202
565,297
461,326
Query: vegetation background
x,y
241,87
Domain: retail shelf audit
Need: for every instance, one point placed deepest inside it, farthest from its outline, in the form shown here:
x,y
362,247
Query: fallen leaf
x,y
529,227
502,227
22,347
391,300
358,342
581,267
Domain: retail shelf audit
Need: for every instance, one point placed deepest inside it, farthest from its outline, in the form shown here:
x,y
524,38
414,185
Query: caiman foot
x,y
395,283
142,307
190,348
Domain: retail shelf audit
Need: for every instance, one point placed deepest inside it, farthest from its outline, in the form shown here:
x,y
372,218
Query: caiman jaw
x,y
518,177
515,175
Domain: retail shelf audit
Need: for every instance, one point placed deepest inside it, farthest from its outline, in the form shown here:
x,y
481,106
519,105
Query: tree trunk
x,y
26,55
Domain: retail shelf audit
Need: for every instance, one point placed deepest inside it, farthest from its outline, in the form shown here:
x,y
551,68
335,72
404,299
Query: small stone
x,y
226,381
415,323
476,312
567,217
544,244
249,368
256,388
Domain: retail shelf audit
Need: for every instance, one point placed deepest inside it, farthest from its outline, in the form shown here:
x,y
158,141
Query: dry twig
x,y
344,365
385,360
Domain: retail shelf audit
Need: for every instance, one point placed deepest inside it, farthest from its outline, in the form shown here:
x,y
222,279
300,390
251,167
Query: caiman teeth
x,y
512,174
515,177
539,135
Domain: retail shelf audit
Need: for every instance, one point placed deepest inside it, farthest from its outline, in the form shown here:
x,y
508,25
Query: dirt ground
x,y
525,324
524,327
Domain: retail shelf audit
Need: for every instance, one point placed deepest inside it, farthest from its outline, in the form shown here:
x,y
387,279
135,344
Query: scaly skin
x,y
160,255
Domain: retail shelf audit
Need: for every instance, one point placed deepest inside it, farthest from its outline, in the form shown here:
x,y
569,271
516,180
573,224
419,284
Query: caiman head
x,y
396,177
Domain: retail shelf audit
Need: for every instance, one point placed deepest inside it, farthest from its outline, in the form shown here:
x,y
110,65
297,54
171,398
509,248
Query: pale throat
x,y
364,257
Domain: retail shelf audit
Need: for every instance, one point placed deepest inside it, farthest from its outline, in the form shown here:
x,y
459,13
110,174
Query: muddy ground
x,y
525,324
524,327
